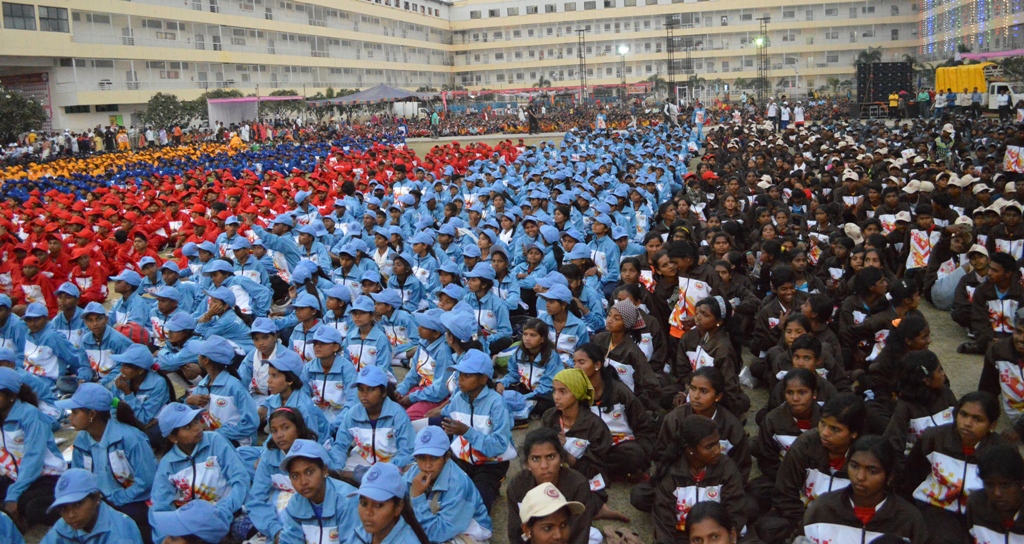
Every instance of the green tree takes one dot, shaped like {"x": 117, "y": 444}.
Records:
{"x": 869, "y": 56}
{"x": 426, "y": 89}
{"x": 658, "y": 84}
{"x": 18, "y": 114}
{"x": 833, "y": 84}
{"x": 740, "y": 83}
{"x": 282, "y": 108}
{"x": 165, "y": 110}
{"x": 329, "y": 94}
{"x": 542, "y": 83}
{"x": 1014, "y": 66}
{"x": 453, "y": 87}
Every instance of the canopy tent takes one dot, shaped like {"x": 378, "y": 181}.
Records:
{"x": 374, "y": 95}
{"x": 238, "y": 110}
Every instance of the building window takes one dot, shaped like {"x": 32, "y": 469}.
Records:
{"x": 831, "y": 12}
{"x": 53, "y": 19}
{"x": 512, "y": 12}
{"x": 747, "y": 17}
{"x": 832, "y": 35}
{"x": 529, "y": 32}
{"x": 810, "y": 14}
{"x": 867, "y": 9}
{"x": 19, "y": 17}
{"x": 609, "y": 3}
{"x": 474, "y": 15}
{"x": 629, "y": 3}
{"x": 531, "y": 10}
{"x": 832, "y": 58}
{"x": 74, "y": 109}
{"x": 517, "y": 33}
{"x": 789, "y": 14}
{"x": 106, "y": 108}
{"x": 550, "y": 8}
{"x": 152, "y": 23}
{"x": 590, "y": 5}
{"x": 895, "y": 34}
{"x": 494, "y": 13}
{"x": 895, "y": 11}
{"x": 570, "y": 6}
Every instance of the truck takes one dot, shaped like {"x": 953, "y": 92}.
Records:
{"x": 409, "y": 110}
{"x": 985, "y": 76}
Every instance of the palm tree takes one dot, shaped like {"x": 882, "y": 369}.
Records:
{"x": 833, "y": 84}
{"x": 542, "y": 83}
{"x": 740, "y": 83}
{"x": 868, "y": 56}
{"x": 1014, "y": 66}
{"x": 658, "y": 83}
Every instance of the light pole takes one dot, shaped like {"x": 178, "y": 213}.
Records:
{"x": 762, "y": 43}
{"x": 623, "y": 49}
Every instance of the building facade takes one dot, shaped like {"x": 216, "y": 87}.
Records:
{"x": 96, "y": 61}
{"x": 981, "y": 27}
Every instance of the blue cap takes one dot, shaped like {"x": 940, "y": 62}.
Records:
{"x": 89, "y": 396}
{"x": 223, "y": 294}
{"x": 431, "y": 319}
{"x": 300, "y": 275}
{"x": 553, "y": 278}
{"x": 327, "y": 335}
{"x": 483, "y": 271}
{"x": 340, "y": 292}
{"x": 287, "y": 360}
{"x": 190, "y": 249}
{"x": 454, "y": 291}
{"x": 574, "y": 234}
{"x": 347, "y": 249}
{"x": 604, "y": 220}
{"x": 240, "y": 242}
{"x": 301, "y": 196}
{"x": 216, "y": 349}
{"x": 472, "y": 252}
{"x": 579, "y": 251}
{"x": 306, "y": 300}
{"x": 172, "y": 266}
{"x": 263, "y": 325}
{"x": 9, "y": 380}
{"x": 447, "y": 228}
{"x": 475, "y": 362}
{"x": 283, "y": 219}
{"x": 74, "y": 485}
{"x": 217, "y": 265}
{"x": 68, "y": 289}
{"x": 136, "y": 355}
{"x": 208, "y": 247}
{"x": 7, "y": 354}
{"x": 462, "y": 325}
{"x": 422, "y": 238}
{"x": 196, "y": 518}
{"x": 130, "y": 276}
{"x": 450, "y": 267}
{"x": 94, "y": 308}
{"x": 381, "y": 483}
{"x": 371, "y": 276}
{"x": 363, "y": 304}
{"x": 5, "y": 301}
{"x": 233, "y": 220}
{"x": 372, "y": 376}
{"x": 306, "y": 229}
{"x": 431, "y": 440}
{"x": 146, "y": 261}
{"x": 306, "y": 449}
{"x": 168, "y": 292}
{"x": 174, "y": 416}
{"x": 618, "y": 233}
{"x": 389, "y": 297}
{"x": 557, "y": 292}
{"x": 36, "y": 309}
{"x": 180, "y": 321}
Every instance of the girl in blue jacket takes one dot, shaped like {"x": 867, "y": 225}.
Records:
{"x": 384, "y": 510}
{"x": 322, "y": 508}
{"x": 332, "y": 380}
{"x": 287, "y": 389}
{"x": 336, "y": 317}
{"x": 200, "y": 466}
{"x": 230, "y": 410}
{"x": 254, "y": 368}
{"x": 377, "y": 429}
{"x": 495, "y": 329}
{"x": 30, "y": 462}
{"x": 409, "y": 287}
{"x": 533, "y": 366}
{"x": 397, "y": 324}
{"x": 143, "y": 388}
{"x": 101, "y": 343}
{"x": 481, "y": 425}
{"x": 115, "y": 449}
{"x": 565, "y": 329}
{"x": 431, "y": 362}
{"x": 506, "y": 286}
{"x": 527, "y": 272}
{"x": 366, "y": 344}
{"x": 271, "y": 487}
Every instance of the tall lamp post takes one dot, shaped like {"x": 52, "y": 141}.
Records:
{"x": 762, "y": 43}
{"x": 623, "y": 49}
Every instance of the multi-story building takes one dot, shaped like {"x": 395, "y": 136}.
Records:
{"x": 981, "y": 27}
{"x": 93, "y": 61}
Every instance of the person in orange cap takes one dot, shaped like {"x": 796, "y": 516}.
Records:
{"x": 90, "y": 278}
{"x": 34, "y": 286}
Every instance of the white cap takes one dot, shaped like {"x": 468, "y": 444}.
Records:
{"x": 964, "y": 220}
{"x": 903, "y": 216}
{"x": 544, "y": 500}
{"x": 850, "y": 174}
{"x": 912, "y": 187}
{"x": 978, "y": 248}
{"x": 853, "y": 231}
{"x": 979, "y": 188}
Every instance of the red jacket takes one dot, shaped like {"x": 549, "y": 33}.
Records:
{"x": 37, "y": 289}
{"x": 91, "y": 282}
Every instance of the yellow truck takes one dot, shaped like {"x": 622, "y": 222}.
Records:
{"x": 987, "y": 77}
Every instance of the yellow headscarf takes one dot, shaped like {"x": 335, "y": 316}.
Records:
{"x": 578, "y": 383}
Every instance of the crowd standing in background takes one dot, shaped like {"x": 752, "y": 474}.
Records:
{"x": 298, "y": 334}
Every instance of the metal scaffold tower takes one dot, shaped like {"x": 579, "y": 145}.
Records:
{"x": 582, "y": 43}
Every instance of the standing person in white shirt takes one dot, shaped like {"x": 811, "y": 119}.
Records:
{"x": 940, "y": 104}
{"x": 1003, "y": 101}
{"x": 773, "y": 113}
{"x": 784, "y": 116}
{"x": 798, "y": 115}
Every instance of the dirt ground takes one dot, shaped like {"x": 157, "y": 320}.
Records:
{"x": 963, "y": 372}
